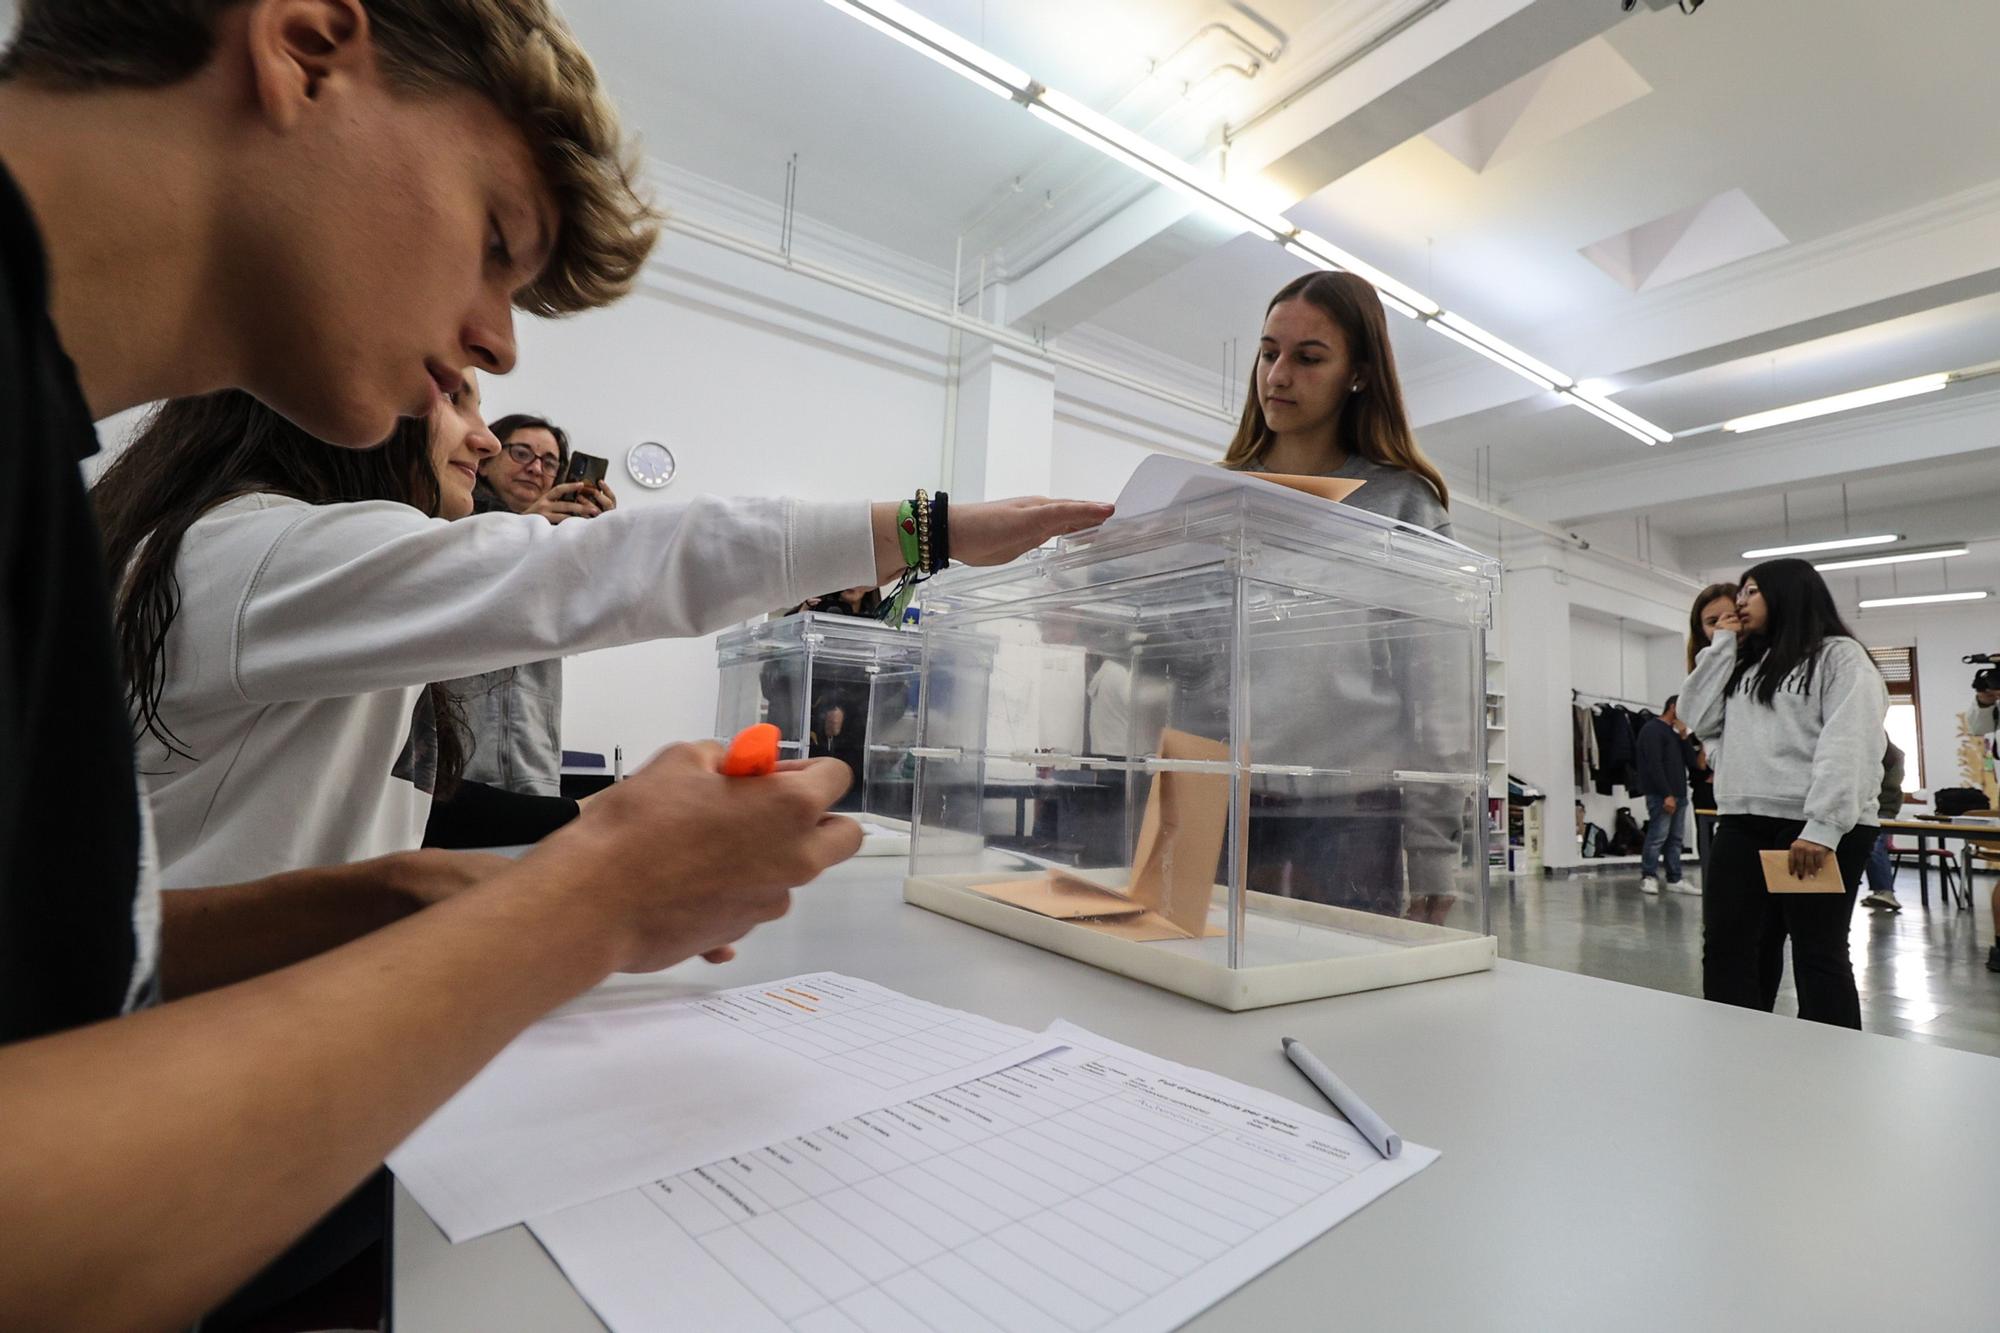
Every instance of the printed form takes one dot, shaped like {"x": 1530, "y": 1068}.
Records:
{"x": 1095, "y": 1187}
{"x": 608, "y": 1094}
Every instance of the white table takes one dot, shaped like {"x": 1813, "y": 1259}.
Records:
{"x": 1613, "y": 1156}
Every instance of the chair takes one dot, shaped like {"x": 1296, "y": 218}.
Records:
{"x": 1947, "y": 867}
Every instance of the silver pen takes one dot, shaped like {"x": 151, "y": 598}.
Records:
{"x": 1373, "y": 1128}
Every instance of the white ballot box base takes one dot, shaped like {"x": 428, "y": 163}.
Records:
{"x": 1294, "y": 949}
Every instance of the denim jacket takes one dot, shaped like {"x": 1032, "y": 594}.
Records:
{"x": 514, "y": 716}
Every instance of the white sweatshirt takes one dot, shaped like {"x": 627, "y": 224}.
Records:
{"x": 307, "y": 633}
{"x": 1813, "y": 757}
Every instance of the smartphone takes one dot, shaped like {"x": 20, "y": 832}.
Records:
{"x": 587, "y": 468}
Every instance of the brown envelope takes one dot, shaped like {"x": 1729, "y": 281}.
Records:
{"x": 1335, "y": 489}
{"x": 1145, "y": 928}
{"x": 1061, "y": 896}
{"x": 1181, "y": 836}
{"x": 1173, "y": 875}
{"x": 1778, "y": 877}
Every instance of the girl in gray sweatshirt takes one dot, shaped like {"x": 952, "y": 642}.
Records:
{"x": 1792, "y": 706}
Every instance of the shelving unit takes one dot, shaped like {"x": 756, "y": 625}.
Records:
{"x": 1501, "y": 850}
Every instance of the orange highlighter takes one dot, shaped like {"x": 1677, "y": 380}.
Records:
{"x": 754, "y": 752}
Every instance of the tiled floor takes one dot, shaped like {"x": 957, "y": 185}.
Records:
{"x": 1922, "y": 974}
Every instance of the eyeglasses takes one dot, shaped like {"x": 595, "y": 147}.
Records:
{"x": 527, "y": 458}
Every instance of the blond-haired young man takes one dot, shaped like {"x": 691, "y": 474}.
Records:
{"x": 334, "y": 204}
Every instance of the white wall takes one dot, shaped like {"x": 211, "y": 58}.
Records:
{"x": 1634, "y": 662}
{"x": 1561, "y": 632}
{"x": 762, "y": 383}
{"x": 1941, "y": 635}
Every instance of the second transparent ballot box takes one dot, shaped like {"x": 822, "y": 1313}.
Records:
{"x": 1235, "y": 747}
{"x": 844, "y": 686}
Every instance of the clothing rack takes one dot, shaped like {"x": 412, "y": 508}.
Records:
{"x": 1583, "y": 695}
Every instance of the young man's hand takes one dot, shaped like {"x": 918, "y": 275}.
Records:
{"x": 1671, "y": 805}
{"x": 991, "y": 532}
{"x": 679, "y": 860}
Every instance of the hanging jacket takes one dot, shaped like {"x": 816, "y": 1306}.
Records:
{"x": 1615, "y": 752}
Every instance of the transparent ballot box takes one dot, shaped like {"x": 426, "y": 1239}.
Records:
{"x": 833, "y": 685}
{"x": 1234, "y": 747}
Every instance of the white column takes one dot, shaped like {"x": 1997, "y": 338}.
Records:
{"x": 1005, "y": 429}
{"x": 1536, "y": 639}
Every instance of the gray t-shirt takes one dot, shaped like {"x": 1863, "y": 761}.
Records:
{"x": 1391, "y": 491}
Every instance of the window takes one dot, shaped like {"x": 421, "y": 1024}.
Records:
{"x": 1906, "y": 718}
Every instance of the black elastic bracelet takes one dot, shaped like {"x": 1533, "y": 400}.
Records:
{"x": 940, "y": 532}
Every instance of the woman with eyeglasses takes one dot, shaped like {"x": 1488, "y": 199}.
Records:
{"x": 1797, "y": 706}
{"x": 522, "y": 476}
{"x": 513, "y": 716}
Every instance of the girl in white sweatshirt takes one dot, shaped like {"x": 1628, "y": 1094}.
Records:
{"x": 284, "y": 606}
{"x": 1794, "y": 707}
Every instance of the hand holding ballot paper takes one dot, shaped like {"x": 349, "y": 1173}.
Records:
{"x": 1782, "y": 876}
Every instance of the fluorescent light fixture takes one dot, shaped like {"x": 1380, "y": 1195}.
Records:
{"x": 1576, "y": 400}
{"x": 1109, "y": 137}
{"x": 1318, "y": 250}
{"x": 1506, "y": 349}
{"x": 1322, "y": 262}
{"x": 1840, "y": 402}
{"x": 1629, "y": 420}
{"x": 1901, "y": 557}
{"x": 1491, "y": 354}
{"x": 1833, "y": 544}
{"x": 1926, "y": 599}
{"x": 939, "y": 43}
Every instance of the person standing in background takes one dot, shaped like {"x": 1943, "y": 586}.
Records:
{"x": 1324, "y": 400}
{"x": 1983, "y": 719}
{"x": 1663, "y": 773}
{"x": 1798, "y": 707}
{"x": 1712, "y": 605}
{"x": 513, "y": 716}
{"x": 1881, "y": 867}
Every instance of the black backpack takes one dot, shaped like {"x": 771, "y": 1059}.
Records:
{"x": 1627, "y": 838}
{"x": 1593, "y": 842}
{"x": 1958, "y": 800}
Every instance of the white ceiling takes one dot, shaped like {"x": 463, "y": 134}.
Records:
{"x": 1863, "y": 131}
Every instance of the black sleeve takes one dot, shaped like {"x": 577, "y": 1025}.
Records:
{"x": 481, "y": 816}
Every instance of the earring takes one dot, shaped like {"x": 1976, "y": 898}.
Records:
{"x": 1354, "y": 387}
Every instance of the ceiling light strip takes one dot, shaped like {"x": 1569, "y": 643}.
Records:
{"x": 940, "y": 44}
{"x": 1107, "y": 136}
{"x": 1576, "y": 400}
{"x": 1653, "y": 434}
{"x": 1492, "y": 354}
{"x": 1091, "y": 129}
{"x": 1840, "y": 402}
{"x": 1316, "y": 249}
{"x": 1900, "y": 558}
{"x": 1833, "y": 544}
{"x": 1927, "y": 599}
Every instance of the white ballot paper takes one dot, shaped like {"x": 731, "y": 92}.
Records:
{"x": 603, "y": 1096}
{"x": 1092, "y": 1188}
